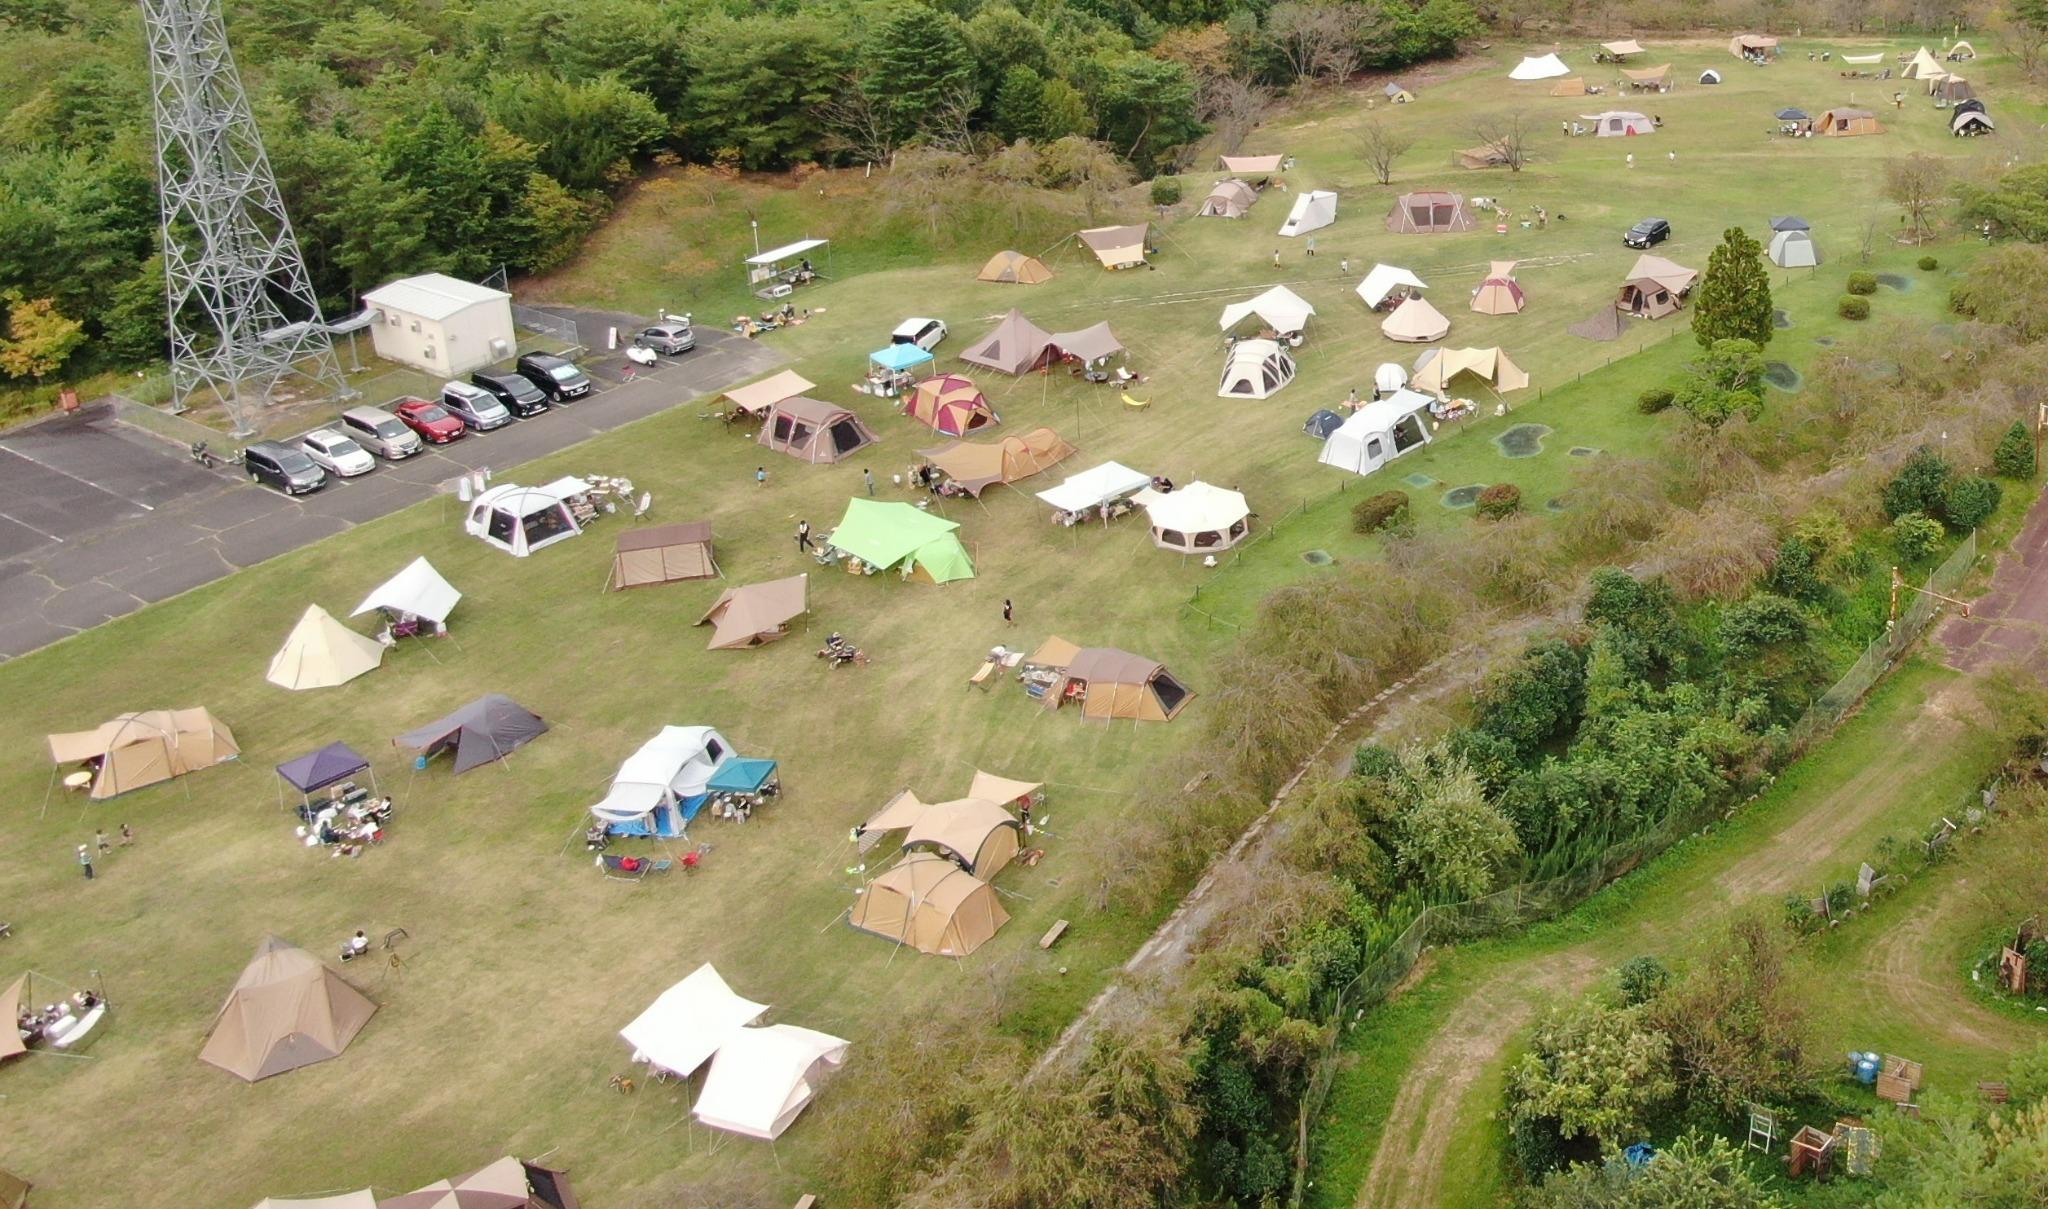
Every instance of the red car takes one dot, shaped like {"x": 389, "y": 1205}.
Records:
{"x": 429, "y": 419}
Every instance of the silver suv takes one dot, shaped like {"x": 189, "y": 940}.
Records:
{"x": 671, "y": 338}
{"x": 474, "y": 406}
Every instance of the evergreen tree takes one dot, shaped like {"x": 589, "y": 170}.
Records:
{"x": 1020, "y": 105}
{"x": 915, "y": 57}
{"x": 1734, "y": 297}
{"x": 2014, "y": 457}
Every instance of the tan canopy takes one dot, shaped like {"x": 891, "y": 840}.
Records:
{"x": 1252, "y": 165}
{"x": 663, "y": 554}
{"x": 1090, "y": 344}
{"x": 1441, "y": 365}
{"x": 320, "y": 652}
{"x": 932, "y": 905}
{"x": 1672, "y": 276}
{"x": 756, "y": 614}
{"x": 1117, "y": 247}
{"x": 1622, "y": 49}
{"x": 1117, "y": 684}
{"x": 758, "y": 397}
{"x": 1415, "y": 322}
{"x": 1014, "y": 268}
{"x": 897, "y": 813}
{"x": 1054, "y": 652}
{"x": 1573, "y": 86}
{"x": 137, "y": 750}
{"x": 1743, "y": 44}
{"x": 1016, "y": 345}
{"x": 1648, "y": 75}
{"x": 287, "y": 1011}
{"x": 978, "y": 467}
{"x": 1490, "y": 155}
{"x": 992, "y": 788}
{"x": 982, "y": 836}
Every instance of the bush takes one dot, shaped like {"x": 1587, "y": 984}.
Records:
{"x": 1915, "y": 536}
{"x": 1970, "y": 502}
{"x": 1642, "y": 979}
{"x": 2014, "y": 457}
{"x": 1928, "y": 264}
{"x": 1863, "y": 283}
{"x": 1654, "y": 400}
{"x": 1376, "y": 512}
{"x": 1852, "y": 307}
{"x": 1500, "y": 501}
{"x": 1920, "y": 486}
{"x": 1165, "y": 191}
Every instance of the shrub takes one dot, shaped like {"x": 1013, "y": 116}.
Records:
{"x": 1500, "y": 501}
{"x": 1642, "y": 979}
{"x": 1915, "y": 536}
{"x": 1654, "y": 400}
{"x": 1928, "y": 264}
{"x": 1970, "y": 502}
{"x": 1165, "y": 191}
{"x": 1376, "y": 512}
{"x": 1852, "y": 307}
{"x": 1920, "y": 486}
{"x": 1797, "y": 571}
{"x": 1863, "y": 283}
{"x": 2014, "y": 457}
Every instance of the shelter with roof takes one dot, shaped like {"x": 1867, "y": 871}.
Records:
{"x": 1379, "y": 432}
{"x": 1090, "y": 345}
{"x": 1794, "y": 250}
{"x": 1951, "y": 88}
{"x": 1619, "y": 123}
{"x": 930, "y": 904}
{"x": 1622, "y": 49}
{"x": 1539, "y": 67}
{"x": 1500, "y": 293}
{"x": 895, "y": 535}
{"x": 320, "y": 652}
{"x": 1199, "y": 518}
{"x": 896, "y": 364}
{"x": 524, "y": 520}
{"x": 1279, "y": 308}
{"x": 1312, "y": 211}
{"x": 660, "y": 554}
{"x": 1711, "y": 75}
{"x": 756, "y": 614}
{"x": 508, "y": 1183}
{"x": 1847, "y": 123}
{"x": 1117, "y": 247}
{"x": 418, "y": 593}
{"x": 762, "y": 1078}
{"x": 1435, "y": 369}
{"x": 1960, "y": 51}
{"x": 1415, "y": 321}
{"x": 1648, "y": 79}
{"x": 67, "y": 1031}
{"x": 287, "y": 1010}
{"x": 1251, "y": 165}
{"x": 689, "y": 1022}
{"x": 316, "y": 770}
{"x": 660, "y": 788}
{"x": 489, "y": 728}
{"x": 1255, "y": 369}
{"x": 1388, "y": 283}
{"x": 1428, "y": 212}
{"x": 978, "y": 835}
{"x": 816, "y": 432}
{"x": 950, "y": 404}
{"x": 441, "y": 324}
{"x": 1016, "y": 346}
{"x": 1014, "y": 268}
{"x": 1095, "y": 487}
{"x": 1756, "y": 47}
{"x": 1570, "y": 86}
{"x": 756, "y": 398}
{"x": 135, "y": 751}
{"x": 1229, "y": 199}
{"x": 1486, "y": 155}
{"x": 1656, "y": 287}
{"x": 1109, "y": 684}
{"x": 790, "y": 263}
{"x": 977, "y": 467}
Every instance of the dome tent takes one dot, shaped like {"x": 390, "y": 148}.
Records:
{"x": 1014, "y": 268}
{"x": 1255, "y": 369}
{"x": 930, "y": 904}
{"x": 950, "y": 404}
{"x": 1794, "y": 250}
{"x": 1199, "y": 518}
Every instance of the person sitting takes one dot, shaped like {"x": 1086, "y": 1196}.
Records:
{"x": 355, "y": 946}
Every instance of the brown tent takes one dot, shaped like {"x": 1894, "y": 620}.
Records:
{"x": 1744, "y": 45}
{"x": 506, "y": 1184}
{"x": 13, "y": 1191}
{"x": 982, "y": 836}
{"x": 758, "y": 397}
{"x": 1648, "y": 77}
{"x": 1252, "y": 165}
{"x": 1571, "y": 86}
{"x": 1490, "y": 155}
{"x": 1017, "y": 345}
{"x": 1428, "y": 212}
{"x": 1229, "y": 199}
{"x": 1117, "y": 684}
{"x": 756, "y": 614}
{"x": 1603, "y": 325}
{"x": 932, "y": 905}
{"x": 287, "y": 1011}
{"x": 1655, "y": 287}
{"x": 1014, "y": 268}
{"x": 810, "y": 431}
{"x": 1840, "y": 123}
{"x": 136, "y": 750}
{"x": 978, "y": 467}
{"x": 663, "y": 554}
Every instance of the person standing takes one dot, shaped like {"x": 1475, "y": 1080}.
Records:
{"x": 127, "y": 836}
{"x": 869, "y": 476}
{"x": 1311, "y": 245}
{"x": 99, "y": 837}
{"x": 1276, "y": 258}
{"x": 1009, "y": 614}
{"x": 85, "y": 861}
{"x": 761, "y": 476}
{"x": 1344, "y": 266}
{"x": 803, "y": 536}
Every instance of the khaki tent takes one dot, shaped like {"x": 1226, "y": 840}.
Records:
{"x": 1491, "y": 155}
{"x": 810, "y": 431}
{"x": 758, "y": 397}
{"x": 1014, "y": 268}
{"x": 1647, "y": 78}
{"x": 663, "y": 554}
{"x": 1439, "y": 365}
{"x": 1841, "y": 123}
{"x": 1002, "y": 790}
{"x": 1655, "y": 287}
{"x": 950, "y": 404}
{"x": 1742, "y": 46}
{"x": 1252, "y": 165}
{"x": 1016, "y": 346}
{"x": 1923, "y": 66}
{"x": 1117, "y": 247}
{"x": 757, "y": 614}
{"x": 1110, "y": 683}
{"x": 1427, "y": 213}
{"x": 287, "y": 1011}
{"x": 1229, "y": 199}
{"x": 321, "y": 652}
{"x": 137, "y": 750}
{"x": 932, "y": 905}
{"x": 1622, "y": 50}
{"x": 978, "y": 467}
{"x": 505, "y": 1184}
{"x": 1415, "y": 322}
{"x": 1572, "y": 87}
{"x": 1954, "y": 88}
{"x": 980, "y": 836}
{"x": 1499, "y": 294}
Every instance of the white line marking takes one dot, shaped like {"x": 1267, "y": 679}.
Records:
{"x": 74, "y": 478}
{"x": 31, "y": 528}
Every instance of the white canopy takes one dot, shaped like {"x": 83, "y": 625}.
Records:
{"x": 690, "y": 1021}
{"x": 1539, "y": 67}
{"x": 1095, "y": 487}
{"x": 1366, "y": 440}
{"x": 786, "y": 251}
{"x": 1862, "y": 60}
{"x": 762, "y": 1078}
{"x": 1390, "y": 376}
{"x": 673, "y": 765}
{"x": 1196, "y": 508}
{"x": 1281, "y": 308}
{"x": 418, "y": 590}
{"x": 1312, "y": 211}
{"x": 1383, "y": 280}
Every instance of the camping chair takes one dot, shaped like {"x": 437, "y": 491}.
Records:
{"x": 642, "y": 506}
{"x": 1131, "y": 404}
{"x": 623, "y": 868}
{"x": 985, "y": 676}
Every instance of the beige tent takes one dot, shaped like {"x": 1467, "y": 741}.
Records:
{"x": 11, "y": 1043}
{"x": 1574, "y": 86}
{"x": 663, "y": 554}
{"x": 1655, "y": 287}
{"x": 1054, "y": 653}
{"x": 1252, "y": 165}
{"x": 320, "y": 652}
{"x": 758, "y": 397}
{"x": 287, "y": 1011}
{"x": 1744, "y": 45}
{"x": 1229, "y": 199}
{"x": 137, "y": 750}
{"x": 1014, "y": 347}
{"x": 1839, "y": 123}
{"x": 1648, "y": 77}
{"x": 1110, "y": 683}
{"x": 1499, "y": 294}
{"x": 502, "y": 1185}
{"x": 932, "y": 905}
{"x": 1490, "y": 155}
{"x": 1117, "y": 247}
{"x": 1961, "y": 51}
{"x": 1415, "y": 322}
{"x": 811, "y": 431}
{"x": 1014, "y": 268}
{"x": 1427, "y": 213}
{"x": 1622, "y": 50}
{"x": 1002, "y": 790}
{"x": 1923, "y": 66}
{"x": 978, "y": 467}
{"x": 14, "y": 1191}
{"x": 982, "y": 836}
{"x": 360, "y": 1199}
{"x": 756, "y": 614}
{"x": 1438, "y": 366}
{"x": 1954, "y": 88}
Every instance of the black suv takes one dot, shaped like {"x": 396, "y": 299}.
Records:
{"x": 559, "y": 378}
{"x": 520, "y": 397}
{"x": 1647, "y": 232}
{"x": 287, "y": 469}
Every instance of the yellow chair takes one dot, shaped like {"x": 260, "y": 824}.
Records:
{"x": 1136, "y": 404}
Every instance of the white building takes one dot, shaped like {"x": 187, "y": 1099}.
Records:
{"x": 441, "y": 324}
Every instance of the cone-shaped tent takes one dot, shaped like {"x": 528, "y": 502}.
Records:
{"x": 287, "y": 1010}
{"x": 1415, "y": 322}
{"x": 1255, "y": 369}
{"x": 488, "y": 728}
{"x": 977, "y": 467}
{"x": 1014, "y": 347}
{"x": 662, "y": 554}
{"x": 756, "y": 614}
{"x": 1438, "y": 366}
{"x": 321, "y": 652}
{"x": 1923, "y": 66}
{"x": 1014, "y": 268}
{"x": 932, "y": 905}
{"x": 1499, "y": 294}
{"x": 981, "y": 836}
{"x": 950, "y": 404}
{"x": 138, "y": 750}
{"x": 885, "y": 535}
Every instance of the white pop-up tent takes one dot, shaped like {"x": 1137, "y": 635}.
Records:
{"x": 321, "y": 652}
{"x": 1539, "y": 67}
{"x": 1381, "y": 284}
{"x": 1255, "y": 369}
{"x": 1280, "y": 308}
{"x": 1095, "y": 487}
{"x": 1378, "y": 433}
{"x": 1198, "y": 518}
{"x": 520, "y": 520}
{"x": 1312, "y": 211}
{"x": 763, "y": 1077}
{"x": 419, "y": 591}
{"x": 658, "y": 789}
{"x": 689, "y": 1022}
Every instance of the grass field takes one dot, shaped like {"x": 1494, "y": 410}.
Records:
{"x": 499, "y": 1033}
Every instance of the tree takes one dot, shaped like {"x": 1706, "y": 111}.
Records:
{"x": 1379, "y": 145}
{"x": 582, "y": 133}
{"x": 1232, "y": 108}
{"x": 1951, "y": 1155}
{"x": 1449, "y": 837}
{"x": 2010, "y": 286}
{"x": 1506, "y": 135}
{"x": 2014, "y": 457}
{"x": 1598, "y": 1071}
{"x": 1086, "y": 168}
{"x": 1734, "y": 295}
{"x": 2025, "y": 26}
{"x": 1970, "y": 502}
{"x": 1318, "y": 42}
{"x": 1917, "y": 184}
{"x": 1019, "y": 110}
{"x": 929, "y": 182}
{"x": 369, "y": 43}
{"x": 1146, "y": 107}
{"x": 1697, "y": 1171}
{"x": 1727, "y": 380}
{"x": 1737, "y": 1025}
{"x": 1921, "y": 485}
{"x": 915, "y": 56}
{"x": 1755, "y": 624}
{"x": 39, "y": 339}
{"x": 765, "y": 86}
{"x": 1067, "y": 111}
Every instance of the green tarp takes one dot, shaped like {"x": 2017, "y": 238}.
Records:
{"x": 899, "y": 535}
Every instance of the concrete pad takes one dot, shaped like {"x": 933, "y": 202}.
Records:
{"x": 270, "y": 536}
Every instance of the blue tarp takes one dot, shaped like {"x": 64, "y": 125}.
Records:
{"x": 742, "y": 774}
{"x": 900, "y": 357}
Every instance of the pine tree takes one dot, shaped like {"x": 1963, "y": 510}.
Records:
{"x": 2014, "y": 457}
{"x": 1020, "y": 105}
{"x": 1734, "y": 297}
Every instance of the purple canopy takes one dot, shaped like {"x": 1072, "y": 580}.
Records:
{"x": 334, "y": 762}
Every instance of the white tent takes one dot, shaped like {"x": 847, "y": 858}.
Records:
{"x": 690, "y": 1021}
{"x": 1312, "y": 211}
{"x": 1384, "y": 279}
{"x": 1255, "y": 370}
{"x": 668, "y": 770}
{"x": 1616, "y": 123}
{"x": 1539, "y": 67}
{"x": 1794, "y": 250}
{"x": 1389, "y": 377}
{"x": 1415, "y": 322}
{"x": 520, "y": 520}
{"x": 321, "y": 653}
{"x": 1378, "y": 433}
{"x": 763, "y": 1077}
{"x": 1195, "y": 518}
{"x": 418, "y": 591}
{"x": 1095, "y": 487}
{"x": 1282, "y": 309}
{"x": 1923, "y": 66}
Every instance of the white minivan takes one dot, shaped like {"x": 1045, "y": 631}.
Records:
{"x": 380, "y": 432}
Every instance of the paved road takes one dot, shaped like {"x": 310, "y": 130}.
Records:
{"x": 2010, "y": 620}
{"x": 98, "y": 518}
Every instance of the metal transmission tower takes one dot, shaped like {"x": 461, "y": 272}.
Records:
{"x": 243, "y": 315}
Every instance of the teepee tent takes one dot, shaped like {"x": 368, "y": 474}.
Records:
{"x": 950, "y": 404}
{"x": 1794, "y": 250}
{"x": 761, "y": 1078}
{"x": 1539, "y": 67}
{"x": 1923, "y": 66}
{"x": 287, "y": 1010}
{"x": 321, "y": 652}
{"x": 978, "y": 467}
{"x": 138, "y": 750}
{"x": 1415, "y": 322}
{"x": 1014, "y": 347}
{"x": 1312, "y": 211}
{"x": 1435, "y": 368}
{"x": 1388, "y": 282}
{"x": 885, "y": 535}
{"x": 756, "y": 614}
{"x": 930, "y": 904}
{"x": 1014, "y": 268}
{"x": 1378, "y": 433}
{"x": 1499, "y": 294}
{"x": 1279, "y": 308}
{"x": 689, "y": 1022}
{"x": 1255, "y": 369}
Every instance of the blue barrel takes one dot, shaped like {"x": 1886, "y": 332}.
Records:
{"x": 1867, "y": 1066}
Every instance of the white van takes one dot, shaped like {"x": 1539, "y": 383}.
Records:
{"x": 380, "y": 432}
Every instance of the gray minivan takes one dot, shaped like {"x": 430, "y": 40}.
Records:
{"x": 380, "y": 432}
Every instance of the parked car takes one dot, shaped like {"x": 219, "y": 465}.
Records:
{"x": 474, "y": 406}
{"x": 559, "y": 378}
{"x": 279, "y": 465}
{"x": 430, "y": 420}
{"x": 924, "y": 333}
{"x": 520, "y": 397}
{"x": 336, "y": 454}
{"x": 1647, "y": 232}
{"x": 672, "y": 337}
{"x": 380, "y": 432}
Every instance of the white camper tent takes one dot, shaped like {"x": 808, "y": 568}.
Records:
{"x": 1095, "y": 487}
{"x": 1378, "y": 433}
{"x": 520, "y": 520}
{"x": 1618, "y": 123}
{"x": 762, "y": 1078}
{"x": 659, "y": 788}
{"x": 1382, "y": 282}
{"x": 1200, "y": 518}
{"x": 689, "y": 1023}
{"x": 418, "y": 591}
{"x": 1255, "y": 369}
{"x": 1312, "y": 211}
{"x": 1794, "y": 250}
{"x": 321, "y": 652}
{"x": 1539, "y": 67}
{"x": 1279, "y": 308}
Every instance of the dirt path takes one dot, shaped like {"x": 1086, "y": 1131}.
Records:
{"x": 1916, "y": 984}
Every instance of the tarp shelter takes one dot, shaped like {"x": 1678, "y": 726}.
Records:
{"x": 815, "y": 432}
{"x": 1435, "y": 368}
{"x": 1312, "y": 211}
{"x": 362, "y": 1198}
{"x": 902, "y": 358}
{"x": 1539, "y": 67}
{"x": 1793, "y": 250}
{"x": 1389, "y": 377}
{"x": 506, "y": 1184}
{"x": 1255, "y": 369}
{"x": 662, "y": 554}
{"x": 1428, "y": 213}
{"x": 1648, "y": 77}
{"x": 978, "y": 467}
{"x": 1622, "y": 50}
{"x": 1199, "y": 518}
{"x": 1655, "y": 287}
{"x": 1321, "y": 424}
{"x": 1014, "y": 268}
{"x": 1004, "y": 791}
{"x": 1489, "y": 155}
{"x": 521, "y": 520}
{"x": 287, "y": 1010}
{"x": 331, "y": 765}
{"x": 138, "y": 750}
{"x": 660, "y": 788}
{"x": 1016, "y": 346}
{"x": 885, "y": 535}
{"x": 1603, "y": 325}
{"x": 1089, "y": 345}
{"x": 1742, "y": 46}
{"x": 761, "y": 1078}
{"x": 320, "y": 652}
{"x": 418, "y": 591}
{"x": 1378, "y": 433}
{"x": 950, "y": 404}
{"x": 1387, "y": 281}
{"x": 489, "y": 728}
{"x": 757, "y": 397}
{"x": 1110, "y": 683}
{"x": 1863, "y": 60}
{"x": 1617, "y": 123}
{"x": 1117, "y": 247}
{"x": 1229, "y": 199}
{"x": 1791, "y": 115}
{"x": 1970, "y": 121}
{"x": 980, "y": 836}
{"x": 1789, "y": 222}
{"x": 1251, "y": 165}
{"x": 1415, "y": 322}
{"x": 763, "y": 265}
{"x": 1710, "y": 76}
{"x": 1571, "y": 86}
{"x": 756, "y": 614}
{"x": 1096, "y": 486}
{"x": 1923, "y": 66}
{"x": 1500, "y": 293}
{"x": 1397, "y": 95}
{"x": 689, "y": 1022}
{"x": 1279, "y": 308}
{"x": 1842, "y": 123}
{"x": 930, "y": 904}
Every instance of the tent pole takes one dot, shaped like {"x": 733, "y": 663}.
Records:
{"x": 51, "y": 788}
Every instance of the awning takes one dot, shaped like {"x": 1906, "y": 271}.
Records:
{"x": 741, "y": 774}
{"x": 1095, "y": 487}
{"x": 331, "y": 765}
{"x": 758, "y": 397}
{"x": 787, "y": 251}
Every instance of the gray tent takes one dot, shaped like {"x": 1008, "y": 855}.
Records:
{"x": 1015, "y": 346}
{"x": 1790, "y": 222}
{"x": 1793, "y": 250}
{"x": 486, "y": 729}
{"x": 1322, "y": 424}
